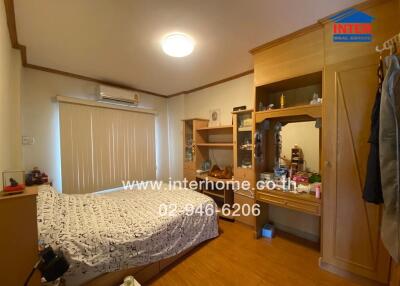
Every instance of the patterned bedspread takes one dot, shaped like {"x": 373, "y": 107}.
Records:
{"x": 123, "y": 229}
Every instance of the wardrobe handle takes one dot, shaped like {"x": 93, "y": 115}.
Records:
{"x": 327, "y": 164}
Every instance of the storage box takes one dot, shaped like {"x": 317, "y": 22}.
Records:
{"x": 268, "y": 231}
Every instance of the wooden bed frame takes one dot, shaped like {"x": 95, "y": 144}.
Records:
{"x": 142, "y": 274}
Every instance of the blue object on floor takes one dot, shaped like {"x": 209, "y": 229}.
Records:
{"x": 268, "y": 231}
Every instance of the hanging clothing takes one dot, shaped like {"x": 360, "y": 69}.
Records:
{"x": 389, "y": 155}
{"x": 373, "y": 187}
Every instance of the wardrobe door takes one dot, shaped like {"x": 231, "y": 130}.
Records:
{"x": 351, "y": 227}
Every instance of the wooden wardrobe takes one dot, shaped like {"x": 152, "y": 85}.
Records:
{"x": 350, "y": 230}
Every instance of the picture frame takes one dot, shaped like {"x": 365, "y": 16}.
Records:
{"x": 214, "y": 118}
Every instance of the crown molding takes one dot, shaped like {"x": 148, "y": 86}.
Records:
{"x": 213, "y": 83}
{"x": 12, "y": 28}
{"x": 313, "y": 27}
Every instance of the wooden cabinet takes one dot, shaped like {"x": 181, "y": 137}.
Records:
{"x": 299, "y": 54}
{"x": 351, "y": 227}
{"x": 189, "y": 149}
{"x": 243, "y": 163}
{"x": 245, "y": 203}
{"x": 351, "y": 242}
{"x": 19, "y": 238}
{"x": 303, "y": 203}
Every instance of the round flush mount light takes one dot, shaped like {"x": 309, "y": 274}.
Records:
{"x": 177, "y": 45}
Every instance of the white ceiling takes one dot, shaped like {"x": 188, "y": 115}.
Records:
{"x": 119, "y": 41}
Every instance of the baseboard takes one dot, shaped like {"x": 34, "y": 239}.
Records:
{"x": 348, "y": 275}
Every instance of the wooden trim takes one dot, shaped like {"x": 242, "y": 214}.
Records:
{"x": 12, "y": 28}
{"x": 361, "y": 6}
{"x": 287, "y": 38}
{"x": 143, "y": 274}
{"x": 10, "y": 13}
{"x": 348, "y": 275}
{"x": 222, "y": 145}
{"x": 82, "y": 77}
{"x": 208, "y": 128}
{"x": 242, "y": 111}
{"x": 66, "y": 99}
{"x": 313, "y": 111}
{"x": 190, "y": 119}
{"x": 213, "y": 83}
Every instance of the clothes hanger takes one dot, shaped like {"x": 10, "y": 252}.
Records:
{"x": 380, "y": 73}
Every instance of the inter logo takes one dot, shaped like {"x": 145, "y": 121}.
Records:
{"x": 352, "y": 26}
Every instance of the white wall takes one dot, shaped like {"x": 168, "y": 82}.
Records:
{"x": 10, "y": 88}
{"x": 225, "y": 96}
{"x": 41, "y": 120}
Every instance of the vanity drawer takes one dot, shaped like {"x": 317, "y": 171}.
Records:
{"x": 271, "y": 199}
{"x": 291, "y": 202}
{"x": 304, "y": 207}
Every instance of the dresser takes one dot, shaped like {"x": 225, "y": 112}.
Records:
{"x": 18, "y": 238}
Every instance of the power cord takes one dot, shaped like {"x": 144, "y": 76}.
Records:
{"x": 32, "y": 272}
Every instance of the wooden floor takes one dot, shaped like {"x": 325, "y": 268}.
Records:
{"x": 235, "y": 258}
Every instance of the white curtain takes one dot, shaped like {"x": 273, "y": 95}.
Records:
{"x": 101, "y": 147}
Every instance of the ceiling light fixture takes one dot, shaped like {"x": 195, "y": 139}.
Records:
{"x": 177, "y": 45}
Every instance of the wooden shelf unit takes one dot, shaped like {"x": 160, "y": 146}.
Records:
{"x": 306, "y": 111}
{"x": 243, "y": 134}
{"x": 189, "y": 142}
{"x": 214, "y": 145}
{"x": 225, "y": 196}
{"x": 215, "y": 128}
{"x": 298, "y": 93}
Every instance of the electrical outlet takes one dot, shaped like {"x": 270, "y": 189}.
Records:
{"x": 28, "y": 140}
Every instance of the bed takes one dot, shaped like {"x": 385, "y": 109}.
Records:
{"x": 109, "y": 232}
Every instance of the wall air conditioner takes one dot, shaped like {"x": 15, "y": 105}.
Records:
{"x": 118, "y": 95}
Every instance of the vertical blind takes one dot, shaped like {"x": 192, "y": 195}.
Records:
{"x": 101, "y": 147}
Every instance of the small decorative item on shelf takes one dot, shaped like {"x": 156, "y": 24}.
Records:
{"x": 239, "y": 108}
{"x": 246, "y": 122}
{"x": 215, "y": 118}
{"x": 297, "y": 160}
{"x": 261, "y": 106}
{"x": 315, "y": 178}
{"x": 267, "y": 177}
{"x": 206, "y": 165}
{"x": 189, "y": 154}
{"x": 13, "y": 182}
{"x": 246, "y": 164}
{"x": 270, "y": 106}
{"x": 301, "y": 177}
{"x": 283, "y": 101}
{"x": 221, "y": 174}
{"x": 246, "y": 144}
{"x": 316, "y": 99}
{"x": 36, "y": 177}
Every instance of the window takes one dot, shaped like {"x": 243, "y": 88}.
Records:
{"x": 101, "y": 147}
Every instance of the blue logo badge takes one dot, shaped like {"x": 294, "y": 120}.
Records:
{"x": 352, "y": 26}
